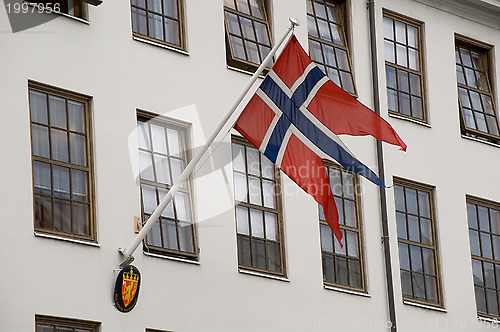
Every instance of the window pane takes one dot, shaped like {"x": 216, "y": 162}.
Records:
{"x": 139, "y": 22}
{"x": 61, "y": 181}
{"x": 76, "y": 116}
{"x": 255, "y": 190}
{"x": 271, "y": 220}
{"x": 259, "y": 254}
{"x": 486, "y": 246}
{"x": 401, "y": 56}
{"x": 155, "y": 24}
{"x": 257, "y": 223}
{"x": 170, "y": 8}
{"x": 412, "y": 36}
{"x": 268, "y": 193}
{"x": 40, "y": 141}
{"x": 59, "y": 145}
{"x": 238, "y": 49}
{"x": 273, "y": 256}
{"x": 233, "y": 24}
{"x": 42, "y": 178}
{"x": 416, "y": 259}
{"x": 78, "y": 149}
{"x": 62, "y": 216}
{"x": 240, "y": 187}
{"x": 403, "y": 82}
{"x": 57, "y": 108}
{"x": 159, "y": 140}
{"x": 326, "y": 238}
{"x": 389, "y": 51}
{"x": 355, "y": 274}
{"x": 81, "y": 221}
{"x": 401, "y": 225}
{"x": 38, "y": 105}
{"x": 247, "y": 27}
{"x": 244, "y": 251}
{"x": 79, "y": 185}
{"x": 390, "y": 76}
{"x": 146, "y": 166}
{"x": 162, "y": 169}
{"x": 388, "y": 28}
{"x": 242, "y": 226}
{"x": 404, "y": 257}
{"x": 186, "y": 240}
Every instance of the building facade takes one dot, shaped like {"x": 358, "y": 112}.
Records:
{"x": 107, "y": 104}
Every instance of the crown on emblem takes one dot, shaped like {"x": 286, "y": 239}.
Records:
{"x": 130, "y": 276}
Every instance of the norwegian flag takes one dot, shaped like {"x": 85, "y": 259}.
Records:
{"x": 295, "y": 117}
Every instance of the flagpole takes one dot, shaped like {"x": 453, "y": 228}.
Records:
{"x": 228, "y": 118}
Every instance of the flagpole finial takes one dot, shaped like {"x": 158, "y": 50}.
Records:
{"x": 294, "y": 21}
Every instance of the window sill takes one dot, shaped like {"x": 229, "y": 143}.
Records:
{"x": 170, "y": 48}
{"x": 392, "y": 115}
{"x": 263, "y": 275}
{"x": 480, "y": 141}
{"x": 243, "y": 71}
{"x": 347, "y": 291}
{"x": 423, "y": 306}
{"x": 171, "y": 258}
{"x": 67, "y": 239}
{"x": 81, "y": 20}
{"x": 488, "y": 319}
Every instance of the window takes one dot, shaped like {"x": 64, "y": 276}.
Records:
{"x": 55, "y": 324}
{"x": 162, "y": 158}
{"x": 343, "y": 266}
{"x": 258, "y": 210}
{"x": 403, "y": 66}
{"x": 484, "y": 235}
{"x": 62, "y": 162}
{"x": 159, "y": 20}
{"x": 417, "y": 242}
{"x": 248, "y": 40}
{"x": 328, "y": 42}
{"x": 477, "y": 107}
{"x": 76, "y": 8}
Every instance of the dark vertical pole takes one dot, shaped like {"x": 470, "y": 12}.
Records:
{"x": 381, "y": 170}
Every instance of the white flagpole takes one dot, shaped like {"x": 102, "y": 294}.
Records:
{"x": 129, "y": 251}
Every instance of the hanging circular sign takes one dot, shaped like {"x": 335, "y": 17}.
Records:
{"x": 127, "y": 286}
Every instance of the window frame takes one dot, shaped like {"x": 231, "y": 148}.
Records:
{"x": 481, "y": 202}
{"x": 182, "y": 28}
{"x": 343, "y": 10}
{"x": 405, "y": 183}
{"x": 278, "y": 210}
{"x": 486, "y": 53}
{"x": 66, "y": 322}
{"x": 419, "y": 25}
{"x": 231, "y": 59}
{"x": 86, "y": 100}
{"x": 183, "y": 127}
{"x": 359, "y": 230}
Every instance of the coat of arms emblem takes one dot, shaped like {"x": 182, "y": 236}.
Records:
{"x": 127, "y": 288}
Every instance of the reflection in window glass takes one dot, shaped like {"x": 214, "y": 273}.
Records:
{"x": 258, "y": 213}
{"x": 417, "y": 243}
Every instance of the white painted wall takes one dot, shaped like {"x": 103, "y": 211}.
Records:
{"x": 59, "y": 278}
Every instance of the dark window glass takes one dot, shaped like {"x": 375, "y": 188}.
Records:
{"x": 477, "y": 106}
{"x": 248, "y": 40}
{"x": 62, "y": 176}
{"x": 159, "y": 20}
{"x": 403, "y": 69}
{"x": 484, "y": 237}
{"x": 417, "y": 244}
{"x": 328, "y": 43}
